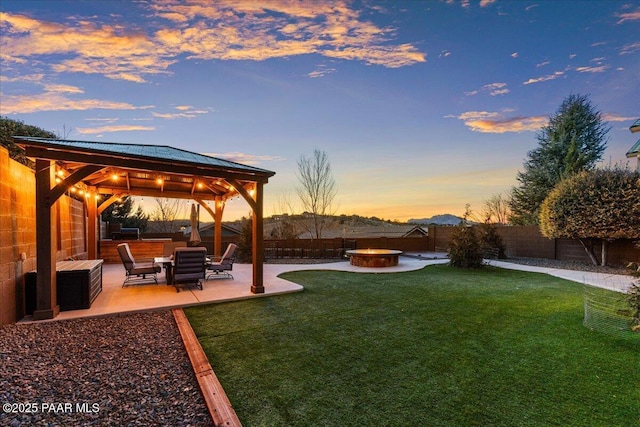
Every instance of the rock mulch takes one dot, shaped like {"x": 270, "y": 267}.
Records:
{"x": 568, "y": 265}
{"x": 110, "y": 371}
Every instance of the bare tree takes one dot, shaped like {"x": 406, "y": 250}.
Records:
{"x": 286, "y": 224}
{"x": 316, "y": 190}
{"x": 496, "y": 210}
{"x": 166, "y": 212}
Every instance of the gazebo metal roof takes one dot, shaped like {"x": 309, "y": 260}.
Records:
{"x": 635, "y": 150}
{"x": 140, "y": 169}
{"x": 635, "y": 127}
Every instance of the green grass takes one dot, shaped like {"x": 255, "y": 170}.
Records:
{"x": 436, "y": 347}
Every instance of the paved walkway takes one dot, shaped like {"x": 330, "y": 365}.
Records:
{"x": 115, "y": 299}
{"x": 614, "y": 282}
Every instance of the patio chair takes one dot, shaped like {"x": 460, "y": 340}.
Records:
{"x": 136, "y": 270}
{"x": 189, "y": 267}
{"x": 220, "y": 269}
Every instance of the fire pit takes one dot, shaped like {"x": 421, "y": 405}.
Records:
{"x": 373, "y": 257}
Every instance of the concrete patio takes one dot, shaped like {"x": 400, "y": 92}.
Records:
{"x": 116, "y": 299}
{"x": 148, "y": 296}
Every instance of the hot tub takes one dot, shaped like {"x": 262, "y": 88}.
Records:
{"x": 373, "y": 257}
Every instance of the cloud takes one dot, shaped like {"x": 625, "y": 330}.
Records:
{"x": 494, "y": 89}
{"x": 629, "y": 48}
{"x": 244, "y": 158}
{"x": 548, "y": 77}
{"x": 599, "y": 69}
{"x": 629, "y": 16}
{"x": 54, "y": 101}
{"x": 83, "y": 46}
{"x": 114, "y": 128}
{"x": 23, "y": 78}
{"x": 321, "y": 71}
{"x": 186, "y": 112}
{"x": 62, "y": 88}
{"x": 493, "y": 122}
{"x": 610, "y": 117}
{"x": 515, "y": 55}
{"x": 222, "y": 30}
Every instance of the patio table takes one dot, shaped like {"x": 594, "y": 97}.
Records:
{"x": 167, "y": 263}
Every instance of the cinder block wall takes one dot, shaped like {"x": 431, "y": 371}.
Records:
{"x": 18, "y": 233}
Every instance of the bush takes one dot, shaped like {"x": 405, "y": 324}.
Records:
{"x": 491, "y": 242}
{"x": 465, "y": 250}
{"x": 633, "y": 299}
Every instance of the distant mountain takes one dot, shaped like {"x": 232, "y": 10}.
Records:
{"x": 445, "y": 219}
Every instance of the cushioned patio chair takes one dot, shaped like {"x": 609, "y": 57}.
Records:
{"x": 189, "y": 266}
{"x": 136, "y": 272}
{"x": 220, "y": 269}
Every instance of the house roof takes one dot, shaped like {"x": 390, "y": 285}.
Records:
{"x": 142, "y": 169}
{"x": 211, "y": 226}
{"x": 635, "y": 127}
{"x": 635, "y": 150}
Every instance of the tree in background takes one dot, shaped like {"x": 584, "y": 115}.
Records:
{"x": 316, "y": 190}
{"x": 245, "y": 244}
{"x": 573, "y": 140}
{"x": 599, "y": 204}
{"x": 166, "y": 213}
{"x": 496, "y": 210}
{"x": 10, "y": 128}
{"x": 121, "y": 213}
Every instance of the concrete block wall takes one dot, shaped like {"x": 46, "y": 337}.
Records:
{"x": 18, "y": 233}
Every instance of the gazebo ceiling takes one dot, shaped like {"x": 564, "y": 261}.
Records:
{"x": 149, "y": 170}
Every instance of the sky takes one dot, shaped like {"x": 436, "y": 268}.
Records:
{"x": 422, "y": 107}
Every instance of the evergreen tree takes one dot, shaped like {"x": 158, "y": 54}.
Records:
{"x": 10, "y": 128}
{"x": 121, "y": 213}
{"x": 573, "y": 140}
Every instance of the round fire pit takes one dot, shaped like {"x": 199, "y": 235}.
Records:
{"x": 373, "y": 257}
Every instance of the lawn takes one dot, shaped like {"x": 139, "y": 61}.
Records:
{"x": 435, "y": 347}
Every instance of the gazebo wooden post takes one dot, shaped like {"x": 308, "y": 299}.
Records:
{"x": 92, "y": 224}
{"x": 258, "y": 241}
{"x": 217, "y": 227}
{"x": 46, "y": 291}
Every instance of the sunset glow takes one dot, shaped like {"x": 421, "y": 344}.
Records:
{"x": 421, "y": 106}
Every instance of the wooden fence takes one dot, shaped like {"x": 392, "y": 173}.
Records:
{"x": 528, "y": 242}
{"x": 520, "y": 242}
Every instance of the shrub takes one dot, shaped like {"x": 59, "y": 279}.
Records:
{"x": 465, "y": 250}
{"x": 491, "y": 242}
{"x": 633, "y": 299}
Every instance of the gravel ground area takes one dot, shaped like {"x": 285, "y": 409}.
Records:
{"x": 567, "y": 265}
{"x": 125, "y": 370}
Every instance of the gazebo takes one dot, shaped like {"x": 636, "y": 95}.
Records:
{"x": 95, "y": 170}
